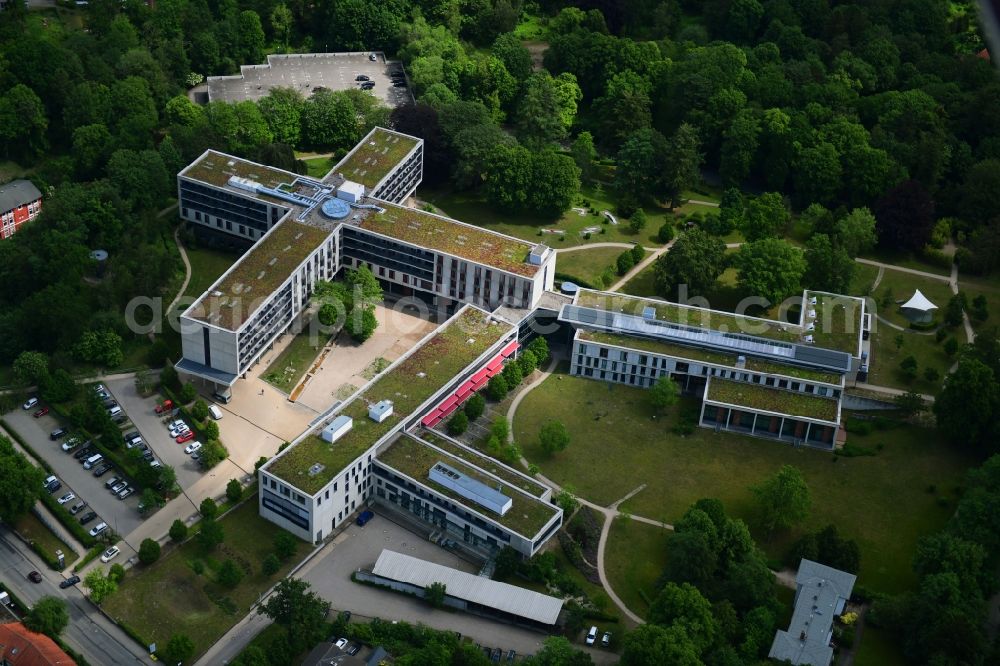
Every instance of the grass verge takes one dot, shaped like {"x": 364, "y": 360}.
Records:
{"x": 42, "y": 540}
{"x": 168, "y": 597}
{"x": 635, "y": 557}
{"x": 287, "y": 369}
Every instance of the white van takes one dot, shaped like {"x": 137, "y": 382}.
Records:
{"x": 591, "y": 635}
{"x": 215, "y": 412}
{"x": 114, "y": 411}
{"x": 92, "y": 461}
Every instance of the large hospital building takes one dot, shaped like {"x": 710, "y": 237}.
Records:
{"x": 770, "y": 379}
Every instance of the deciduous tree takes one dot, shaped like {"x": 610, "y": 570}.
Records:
{"x": 553, "y": 437}
{"x": 783, "y": 499}
{"x": 696, "y": 260}
{"x": 48, "y": 616}
{"x": 771, "y": 268}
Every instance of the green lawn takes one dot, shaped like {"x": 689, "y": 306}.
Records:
{"x": 635, "y": 557}
{"x": 207, "y": 265}
{"x": 588, "y": 265}
{"x": 886, "y": 358}
{"x": 863, "y": 279}
{"x": 285, "y": 371}
{"x": 901, "y": 287}
{"x": 643, "y": 284}
{"x": 618, "y": 443}
{"x": 470, "y": 207}
{"x": 877, "y": 648}
{"x": 991, "y": 289}
{"x": 317, "y": 167}
{"x": 168, "y": 598}
{"x": 34, "y": 530}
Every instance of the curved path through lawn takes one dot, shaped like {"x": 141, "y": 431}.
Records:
{"x": 187, "y": 270}
{"x": 609, "y": 512}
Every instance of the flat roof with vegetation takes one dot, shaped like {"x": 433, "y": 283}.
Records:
{"x": 408, "y": 383}
{"x": 437, "y": 232}
{"x": 706, "y": 356}
{"x": 257, "y": 274}
{"x": 831, "y": 318}
{"x": 376, "y": 155}
{"x": 216, "y": 168}
{"x": 755, "y": 396}
{"x": 414, "y": 458}
{"x": 483, "y": 462}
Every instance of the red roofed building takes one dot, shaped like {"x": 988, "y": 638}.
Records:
{"x": 22, "y": 647}
{"x": 20, "y": 201}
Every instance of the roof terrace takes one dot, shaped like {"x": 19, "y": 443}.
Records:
{"x": 408, "y": 383}
{"x": 755, "y": 396}
{"x": 377, "y": 154}
{"x": 246, "y": 286}
{"x": 446, "y": 235}
{"x": 414, "y": 458}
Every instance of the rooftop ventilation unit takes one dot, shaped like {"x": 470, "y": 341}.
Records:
{"x": 351, "y": 192}
{"x": 339, "y": 427}
{"x": 380, "y": 411}
{"x": 741, "y": 362}
{"x": 316, "y": 469}
{"x": 538, "y": 254}
{"x": 649, "y": 312}
{"x": 470, "y": 488}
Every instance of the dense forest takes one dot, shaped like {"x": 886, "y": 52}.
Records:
{"x": 870, "y": 121}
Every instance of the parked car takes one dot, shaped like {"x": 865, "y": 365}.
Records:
{"x": 495, "y": 657}
{"x": 110, "y": 554}
{"x": 99, "y": 388}
{"x": 54, "y": 486}
{"x": 71, "y": 581}
{"x": 362, "y": 77}
{"x": 354, "y": 649}
{"x": 341, "y": 643}
{"x": 367, "y": 85}
{"x": 606, "y": 639}
{"x": 68, "y": 497}
{"x": 164, "y": 407}
{"x": 103, "y": 469}
{"x": 110, "y": 483}
{"x": 118, "y": 486}
{"x": 180, "y": 430}
{"x": 48, "y": 480}
{"x": 215, "y": 412}
{"x": 372, "y": 57}
{"x": 57, "y": 434}
{"x": 41, "y": 412}
{"x": 364, "y": 518}
{"x": 174, "y": 424}
{"x": 77, "y": 508}
{"x": 29, "y": 404}
{"x": 510, "y": 656}
{"x": 70, "y": 444}
{"x": 591, "y": 635}
{"x": 192, "y": 447}
{"x": 98, "y": 528}
{"x": 88, "y": 517}
{"x": 35, "y": 577}
{"x": 124, "y": 492}
{"x": 399, "y": 84}
{"x": 184, "y": 437}
{"x": 85, "y": 452}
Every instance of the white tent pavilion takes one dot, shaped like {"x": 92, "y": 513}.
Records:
{"x": 918, "y": 308}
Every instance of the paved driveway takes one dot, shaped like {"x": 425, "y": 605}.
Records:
{"x": 121, "y": 516}
{"x": 329, "y": 573}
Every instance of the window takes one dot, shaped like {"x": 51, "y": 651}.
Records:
{"x": 682, "y": 367}
{"x": 782, "y": 383}
{"x": 769, "y": 381}
{"x": 795, "y": 386}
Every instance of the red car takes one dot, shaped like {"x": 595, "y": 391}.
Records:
{"x": 165, "y": 407}
{"x": 41, "y": 412}
{"x": 186, "y": 437}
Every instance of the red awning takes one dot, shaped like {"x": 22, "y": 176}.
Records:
{"x": 465, "y": 389}
{"x": 510, "y": 349}
{"x": 429, "y": 419}
{"x": 450, "y": 402}
{"x": 494, "y": 365}
{"x": 481, "y": 376}
{"x": 446, "y": 413}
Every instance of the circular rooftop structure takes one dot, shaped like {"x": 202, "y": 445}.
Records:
{"x": 99, "y": 255}
{"x": 569, "y": 288}
{"x": 336, "y": 209}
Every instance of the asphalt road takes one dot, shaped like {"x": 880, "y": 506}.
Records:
{"x": 121, "y": 515}
{"x": 98, "y": 639}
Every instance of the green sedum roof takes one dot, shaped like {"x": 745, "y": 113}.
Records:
{"x": 375, "y": 157}
{"x": 755, "y": 396}
{"x": 408, "y": 383}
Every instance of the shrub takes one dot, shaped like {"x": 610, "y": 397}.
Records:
{"x": 116, "y": 573}
{"x": 200, "y": 410}
{"x": 458, "y": 423}
{"x": 179, "y": 649}
{"x": 475, "y": 407}
{"x": 500, "y": 428}
{"x": 211, "y": 534}
{"x": 666, "y": 232}
{"x": 270, "y": 565}
{"x": 540, "y": 348}
{"x": 908, "y": 368}
{"x": 940, "y": 335}
{"x": 638, "y": 253}
{"x": 512, "y": 373}
{"x": 188, "y": 393}
{"x": 210, "y": 430}
{"x": 178, "y": 531}
{"x": 951, "y": 346}
{"x": 931, "y": 374}
{"x": 625, "y": 262}
{"x": 284, "y": 545}
{"x": 434, "y": 594}
{"x": 212, "y": 453}
{"x": 149, "y": 551}
{"x": 497, "y": 388}
{"x": 208, "y": 508}
{"x": 527, "y": 361}
{"x": 553, "y": 437}
{"x": 230, "y": 574}
{"x": 234, "y": 491}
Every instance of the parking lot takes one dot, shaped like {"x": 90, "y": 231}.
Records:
{"x": 122, "y": 516}
{"x": 355, "y": 548}
{"x": 305, "y": 72}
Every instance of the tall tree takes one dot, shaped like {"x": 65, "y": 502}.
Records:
{"x": 904, "y": 217}
{"x": 641, "y": 166}
{"x": 967, "y": 403}
{"x": 48, "y": 616}
{"x": 766, "y": 217}
{"x": 828, "y": 267}
{"x": 20, "y": 482}
{"x": 856, "y": 232}
{"x": 684, "y": 163}
{"x": 299, "y": 610}
{"x": 771, "y": 268}
{"x": 696, "y": 260}
{"x": 282, "y": 111}
{"x": 783, "y": 499}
